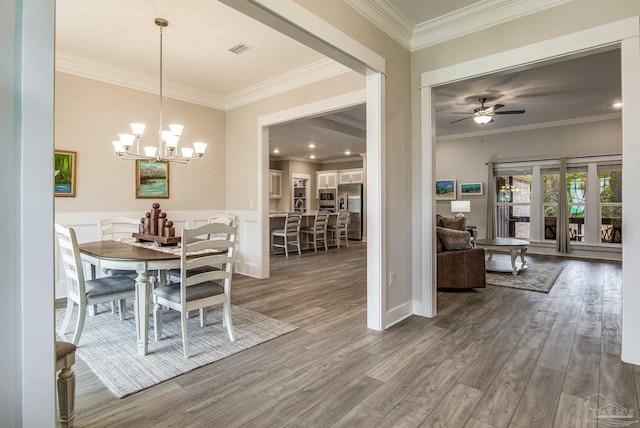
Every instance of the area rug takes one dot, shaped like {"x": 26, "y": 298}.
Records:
{"x": 537, "y": 277}
{"x": 108, "y": 346}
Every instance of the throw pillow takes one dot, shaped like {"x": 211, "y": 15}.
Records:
{"x": 453, "y": 239}
{"x": 457, "y": 223}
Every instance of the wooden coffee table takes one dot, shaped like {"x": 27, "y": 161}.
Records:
{"x": 513, "y": 246}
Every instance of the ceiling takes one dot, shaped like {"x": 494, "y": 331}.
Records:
{"x": 120, "y": 36}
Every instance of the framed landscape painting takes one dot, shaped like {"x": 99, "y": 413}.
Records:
{"x": 64, "y": 170}
{"x": 471, "y": 188}
{"x": 445, "y": 189}
{"x": 152, "y": 179}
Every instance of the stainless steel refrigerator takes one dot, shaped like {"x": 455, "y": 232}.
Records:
{"x": 350, "y": 199}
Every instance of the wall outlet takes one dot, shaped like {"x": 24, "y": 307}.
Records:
{"x": 251, "y": 205}
{"x": 392, "y": 279}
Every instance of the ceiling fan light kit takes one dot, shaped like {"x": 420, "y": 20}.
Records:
{"x": 483, "y": 115}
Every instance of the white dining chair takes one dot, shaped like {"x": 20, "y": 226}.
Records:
{"x": 340, "y": 230}
{"x": 117, "y": 227}
{"x": 317, "y": 232}
{"x": 290, "y": 233}
{"x": 87, "y": 292}
{"x": 203, "y": 289}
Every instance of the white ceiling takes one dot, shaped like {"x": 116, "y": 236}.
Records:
{"x": 120, "y": 36}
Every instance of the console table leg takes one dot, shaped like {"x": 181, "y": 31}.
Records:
{"x": 522, "y": 253}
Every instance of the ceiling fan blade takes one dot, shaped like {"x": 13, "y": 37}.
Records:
{"x": 460, "y": 120}
{"x": 496, "y": 107}
{"x": 510, "y": 112}
{"x": 461, "y": 112}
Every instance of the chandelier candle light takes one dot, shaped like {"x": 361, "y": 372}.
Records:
{"x": 167, "y": 140}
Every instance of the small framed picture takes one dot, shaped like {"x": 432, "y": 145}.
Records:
{"x": 446, "y": 189}
{"x": 152, "y": 180}
{"x": 471, "y": 188}
{"x": 64, "y": 170}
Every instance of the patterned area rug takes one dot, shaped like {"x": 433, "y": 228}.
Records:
{"x": 108, "y": 346}
{"x": 538, "y": 276}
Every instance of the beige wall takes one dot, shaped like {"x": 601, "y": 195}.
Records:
{"x": 341, "y": 165}
{"x": 90, "y": 114}
{"x": 242, "y": 133}
{"x": 465, "y": 159}
{"x": 398, "y": 142}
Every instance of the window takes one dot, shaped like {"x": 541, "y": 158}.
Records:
{"x": 577, "y": 201}
{"x": 527, "y": 198}
{"x": 513, "y": 202}
{"x": 610, "y": 177}
{"x": 550, "y": 189}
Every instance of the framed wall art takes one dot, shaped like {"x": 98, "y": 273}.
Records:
{"x": 152, "y": 179}
{"x": 64, "y": 169}
{"x": 445, "y": 189}
{"x": 471, "y": 188}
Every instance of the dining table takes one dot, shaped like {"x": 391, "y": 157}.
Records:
{"x": 143, "y": 257}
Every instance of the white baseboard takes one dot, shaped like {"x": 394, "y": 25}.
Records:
{"x": 398, "y": 314}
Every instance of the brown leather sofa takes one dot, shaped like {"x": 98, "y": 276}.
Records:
{"x": 458, "y": 268}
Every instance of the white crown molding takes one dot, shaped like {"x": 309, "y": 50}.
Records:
{"x": 476, "y": 17}
{"x": 102, "y": 72}
{"x": 349, "y": 122}
{"x": 302, "y": 76}
{"x": 387, "y": 18}
{"x": 78, "y": 66}
{"x": 565, "y": 122}
{"x": 341, "y": 160}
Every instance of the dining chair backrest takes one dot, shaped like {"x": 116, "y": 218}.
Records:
{"x": 223, "y": 218}
{"x": 321, "y": 220}
{"x": 292, "y": 223}
{"x": 71, "y": 262}
{"x": 343, "y": 220}
{"x": 207, "y": 252}
{"x": 117, "y": 227}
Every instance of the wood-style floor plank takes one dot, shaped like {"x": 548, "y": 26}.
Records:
{"x": 492, "y": 358}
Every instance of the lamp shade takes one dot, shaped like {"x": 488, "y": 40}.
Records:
{"x": 482, "y": 120}
{"x": 460, "y": 206}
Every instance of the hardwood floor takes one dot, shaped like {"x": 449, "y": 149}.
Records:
{"x": 494, "y": 357}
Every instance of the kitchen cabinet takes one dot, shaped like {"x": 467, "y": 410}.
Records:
{"x": 327, "y": 179}
{"x": 275, "y": 184}
{"x": 351, "y": 176}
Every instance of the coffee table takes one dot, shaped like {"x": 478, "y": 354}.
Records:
{"x": 513, "y": 246}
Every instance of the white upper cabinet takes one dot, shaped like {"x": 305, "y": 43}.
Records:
{"x": 275, "y": 184}
{"x": 327, "y": 179}
{"x": 351, "y": 176}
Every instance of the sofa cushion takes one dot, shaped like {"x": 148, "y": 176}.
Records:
{"x": 453, "y": 239}
{"x": 456, "y": 223}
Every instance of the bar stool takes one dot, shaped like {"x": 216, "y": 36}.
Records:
{"x": 318, "y": 232}
{"x": 290, "y": 234}
{"x": 339, "y": 230}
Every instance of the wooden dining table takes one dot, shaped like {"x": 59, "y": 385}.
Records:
{"x": 113, "y": 254}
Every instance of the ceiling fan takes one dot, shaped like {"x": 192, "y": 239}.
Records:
{"x": 483, "y": 114}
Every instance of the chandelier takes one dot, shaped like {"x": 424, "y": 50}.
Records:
{"x": 166, "y": 151}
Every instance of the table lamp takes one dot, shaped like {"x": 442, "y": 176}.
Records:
{"x": 460, "y": 207}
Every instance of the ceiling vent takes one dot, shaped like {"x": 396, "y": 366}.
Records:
{"x": 239, "y": 48}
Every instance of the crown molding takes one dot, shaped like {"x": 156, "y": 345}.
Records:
{"x": 565, "y": 122}
{"x": 387, "y": 18}
{"x": 349, "y": 122}
{"x": 476, "y": 17}
{"x": 82, "y": 67}
{"x": 302, "y": 76}
{"x": 341, "y": 160}
{"x": 102, "y": 72}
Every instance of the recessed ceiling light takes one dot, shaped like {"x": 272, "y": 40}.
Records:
{"x": 311, "y": 146}
{"x": 617, "y": 105}
{"x": 312, "y": 156}
{"x": 276, "y": 151}
{"x": 347, "y": 152}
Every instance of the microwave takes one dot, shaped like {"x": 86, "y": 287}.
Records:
{"x": 327, "y": 194}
